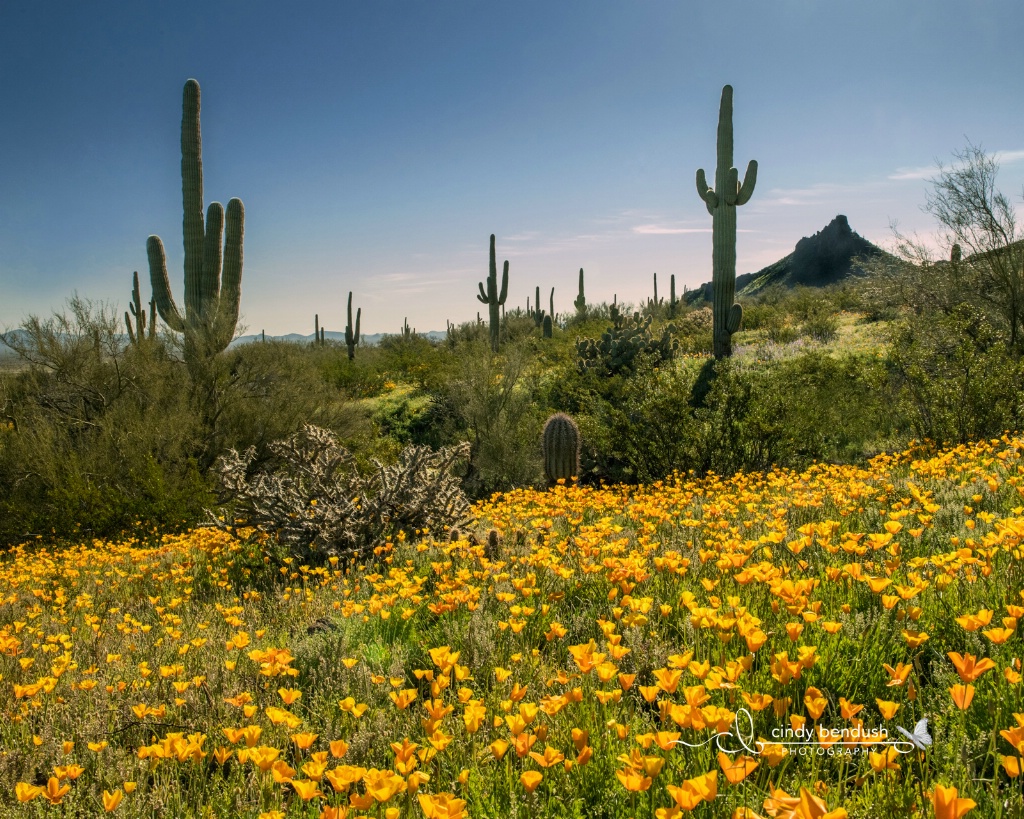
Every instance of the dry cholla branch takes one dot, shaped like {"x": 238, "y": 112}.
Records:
{"x": 318, "y": 505}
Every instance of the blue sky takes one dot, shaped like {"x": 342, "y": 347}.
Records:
{"x": 377, "y": 145}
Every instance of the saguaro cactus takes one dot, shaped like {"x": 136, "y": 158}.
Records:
{"x": 538, "y": 314}
{"x": 138, "y": 333}
{"x": 213, "y": 274}
{"x": 352, "y": 336}
{"x": 721, "y": 203}
{"x": 581, "y": 302}
{"x": 560, "y": 443}
{"x": 492, "y": 298}
{"x": 656, "y": 302}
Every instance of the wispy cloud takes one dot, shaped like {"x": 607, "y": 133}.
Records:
{"x": 811, "y": 195}
{"x": 657, "y": 229}
{"x": 925, "y": 172}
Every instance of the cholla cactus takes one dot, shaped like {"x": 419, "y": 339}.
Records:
{"x": 319, "y": 505}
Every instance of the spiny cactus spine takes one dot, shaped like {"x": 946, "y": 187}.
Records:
{"x": 213, "y": 274}
{"x": 492, "y": 298}
{"x": 721, "y": 203}
{"x": 551, "y": 304}
{"x": 137, "y": 333}
{"x": 352, "y": 335}
{"x": 560, "y": 443}
{"x": 546, "y": 328}
{"x": 581, "y": 302}
{"x": 318, "y": 332}
{"x": 673, "y": 303}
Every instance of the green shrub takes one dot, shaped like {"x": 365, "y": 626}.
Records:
{"x": 954, "y": 377}
{"x": 106, "y": 435}
{"x": 490, "y": 400}
{"x": 821, "y": 325}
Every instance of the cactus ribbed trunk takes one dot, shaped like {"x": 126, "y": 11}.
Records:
{"x": 560, "y": 443}
{"x": 581, "y": 301}
{"x": 721, "y": 203}
{"x": 352, "y": 335}
{"x": 492, "y": 298}
{"x": 213, "y": 252}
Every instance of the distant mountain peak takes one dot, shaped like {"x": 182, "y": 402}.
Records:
{"x": 817, "y": 261}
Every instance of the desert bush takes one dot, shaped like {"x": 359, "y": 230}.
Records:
{"x": 101, "y": 436}
{"x": 779, "y": 328}
{"x": 319, "y": 505}
{"x": 821, "y": 325}
{"x": 642, "y": 430}
{"x": 490, "y": 399}
{"x": 954, "y": 376}
{"x": 106, "y": 435}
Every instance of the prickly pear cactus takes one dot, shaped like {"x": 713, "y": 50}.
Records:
{"x": 620, "y": 346}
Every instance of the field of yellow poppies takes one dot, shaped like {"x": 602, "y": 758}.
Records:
{"x": 746, "y": 646}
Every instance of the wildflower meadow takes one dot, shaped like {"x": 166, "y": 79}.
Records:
{"x": 744, "y": 646}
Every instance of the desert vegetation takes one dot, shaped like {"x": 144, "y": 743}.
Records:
{"x": 604, "y": 561}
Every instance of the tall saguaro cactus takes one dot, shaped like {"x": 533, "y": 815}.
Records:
{"x": 137, "y": 334}
{"x": 721, "y": 203}
{"x": 352, "y": 336}
{"x": 492, "y": 298}
{"x": 213, "y": 253}
{"x": 581, "y": 301}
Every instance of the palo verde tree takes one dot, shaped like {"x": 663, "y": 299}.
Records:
{"x": 981, "y": 220}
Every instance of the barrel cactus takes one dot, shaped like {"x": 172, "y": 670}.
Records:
{"x": 561, "y": 449}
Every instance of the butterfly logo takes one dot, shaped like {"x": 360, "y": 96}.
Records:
{"x": 921, "y": 739}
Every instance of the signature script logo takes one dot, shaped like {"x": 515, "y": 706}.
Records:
{"x": 742, "y": 732}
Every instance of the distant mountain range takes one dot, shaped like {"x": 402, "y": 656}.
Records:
{"x": 364, "y": 338}
{"x": 825, "y": 258}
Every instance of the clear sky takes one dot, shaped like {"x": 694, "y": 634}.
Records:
{"x": 377, "y": 145}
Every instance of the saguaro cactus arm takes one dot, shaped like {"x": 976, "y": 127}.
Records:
{"x": 169, "y": 311}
